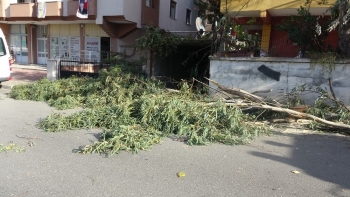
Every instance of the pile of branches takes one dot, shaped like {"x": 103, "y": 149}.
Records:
{"x": 135, "y": 112}
{"x": 328, "y": 113}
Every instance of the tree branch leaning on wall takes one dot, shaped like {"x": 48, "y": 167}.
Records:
{"x": 258, "y": 103}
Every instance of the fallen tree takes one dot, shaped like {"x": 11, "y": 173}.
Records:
{"x": 242, "y": 94}
{"x": 257, "y": 102}
{"x": 135, "y": 112}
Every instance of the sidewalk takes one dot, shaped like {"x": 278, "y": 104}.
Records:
{"x": 30, "y": 66}
{"x": 23, "y": 74}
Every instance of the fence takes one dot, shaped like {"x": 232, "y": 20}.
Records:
{"x": 90, "y": 65}
{"x": 69, "y": 68}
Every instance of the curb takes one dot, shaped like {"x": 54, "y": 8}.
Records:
{"x": 29, "y": 68}
{"x": 8, "y": 87}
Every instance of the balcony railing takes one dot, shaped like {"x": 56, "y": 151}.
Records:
{"x": 22, "y": 10}
{"x": 54, "y": 8}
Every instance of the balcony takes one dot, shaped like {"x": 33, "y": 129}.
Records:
{"x": 72, "y": 7}
{"x": 22, "y": 10}
{"x": 54, "y": 8}
{"x": 2, "y": 11}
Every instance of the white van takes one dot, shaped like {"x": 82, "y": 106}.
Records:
{"x": 5, "y": 63}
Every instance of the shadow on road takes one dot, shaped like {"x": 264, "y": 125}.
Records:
{"x": 318, "y": 155}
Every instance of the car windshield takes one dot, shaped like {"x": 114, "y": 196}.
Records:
{"x": 2, "y": 48}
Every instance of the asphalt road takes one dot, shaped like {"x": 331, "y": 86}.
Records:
{"x": 263, "y": 168}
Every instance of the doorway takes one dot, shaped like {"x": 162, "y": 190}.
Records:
{"x": 42, "y": 51}
{"x": 105, "y": 48}
{"x": 19, "y": 45}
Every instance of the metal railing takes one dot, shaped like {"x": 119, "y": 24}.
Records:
{"x": 88, "y": 63}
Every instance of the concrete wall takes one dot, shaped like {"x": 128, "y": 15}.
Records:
{"x": 167, "y": 23}
{"x": 132, "y": 11}
{"x": 243, "y": 73}
{"x": 127, "y": 44}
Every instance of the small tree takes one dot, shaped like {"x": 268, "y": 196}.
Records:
{"x": 301, "y": 29}
{"x": 340, "y": 13}
{"x": 222, "y": 25}
{"x": 159, "y": 41}
{"x": 210, "y": 9}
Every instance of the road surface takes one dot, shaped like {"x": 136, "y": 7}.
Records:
{"x": 49, "y": 167}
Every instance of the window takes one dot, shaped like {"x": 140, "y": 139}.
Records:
{"x": 172, "y": 9}
{"x": 188, "y": 16}
{"x": 18, "y": 29}
{"x": 2, "y": 48}
{"x": 149, "y": 3}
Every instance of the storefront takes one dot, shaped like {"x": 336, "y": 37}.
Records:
{"x": 19, "y": 43}
{"x": 36, "y": 43}
{"x": 77, "y": 41}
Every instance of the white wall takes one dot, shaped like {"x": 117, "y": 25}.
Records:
{"x": 243, "y": 73}
{"x": 127, "y": 44}
{"x": 131, "y": 9}
{"x": 109, "y": 8}
{"x": 167, "y": 23}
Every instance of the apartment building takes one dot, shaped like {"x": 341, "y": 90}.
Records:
{"x": 37, "y": 30}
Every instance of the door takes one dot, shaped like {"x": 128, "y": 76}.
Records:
{"x": 19, "y": 45}
{"x": 105, "y": 48}
{"x": 42, "y": 51}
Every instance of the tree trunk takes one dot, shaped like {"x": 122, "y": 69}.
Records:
{"x": 344, "y": 30}
{"x": 215, "y": 42}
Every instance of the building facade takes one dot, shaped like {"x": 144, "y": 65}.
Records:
{"x": 108, "y": 26}
{"x": 268, "y": 14}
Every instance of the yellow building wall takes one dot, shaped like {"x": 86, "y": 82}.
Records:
{"x": 64, "y": 30}
{"x": 265, "y": 37}
{"x": 54, "y": 30}
{"x": 94, "y": 31}
{"x": 74, "y": 30}
{"x": 262, "y": 5}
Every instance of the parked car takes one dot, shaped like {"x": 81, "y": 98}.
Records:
{"x": 5, "y": 62}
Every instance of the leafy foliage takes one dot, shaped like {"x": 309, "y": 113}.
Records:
{"x": 210, "y": 9}
{"x": 159, "y": 41}
{"x": 125, "y": 62}
{"x": 325, "y": 106}
{"x": 340, "y": 15}
{"x": 326, "y": 60}
{"x": 243, "y": 42}
{"x": 128, "y": 138}
{"x": 302, "y": 30}
{"x": 336, "y": 9}
{"x": 11, "y": 147}
{"x": 135, "y": 112}
{"x": 58, "y": 93}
